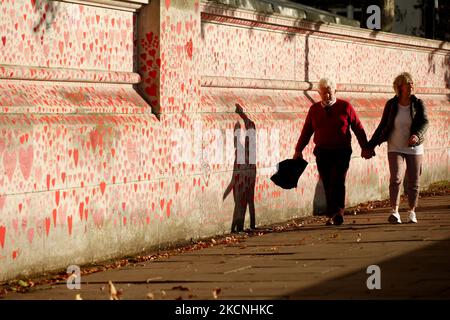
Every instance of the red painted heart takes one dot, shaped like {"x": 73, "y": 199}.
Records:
{"x": 26, "y": 156}
{"x": 2, "y": 236}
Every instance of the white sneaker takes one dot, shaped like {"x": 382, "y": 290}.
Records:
{"x": 394, "y": 218}
{"x": 412, "y": 217}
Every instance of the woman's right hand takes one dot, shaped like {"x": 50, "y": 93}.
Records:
{"x": 413, "y": 140}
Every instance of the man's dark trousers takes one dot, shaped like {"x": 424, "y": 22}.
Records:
{"x": 332, "y": 165}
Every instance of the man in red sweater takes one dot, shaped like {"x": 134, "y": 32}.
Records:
{"x": 330, "y": 121}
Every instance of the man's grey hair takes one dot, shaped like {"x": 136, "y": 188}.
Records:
{"x": 325, "y": 83}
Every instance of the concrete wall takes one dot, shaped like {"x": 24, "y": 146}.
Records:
{"x": 117, "y": 127}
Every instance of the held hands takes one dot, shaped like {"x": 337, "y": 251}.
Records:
{"x": 367, "y": 153}
{"x": 413, "y": 140}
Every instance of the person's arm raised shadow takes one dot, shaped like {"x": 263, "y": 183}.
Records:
{"x": 250, "y": 166}
{"x": 249, "y": 124}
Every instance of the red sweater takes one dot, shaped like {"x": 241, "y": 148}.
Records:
{"x": 331, "y": 128}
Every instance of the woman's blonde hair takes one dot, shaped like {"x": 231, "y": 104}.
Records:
{"x": 401, "y": 79}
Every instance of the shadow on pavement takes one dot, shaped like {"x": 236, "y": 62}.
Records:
{"x": 420, "y": 274}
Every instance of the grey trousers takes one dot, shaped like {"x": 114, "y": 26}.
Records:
{"x": 413, "y": 170}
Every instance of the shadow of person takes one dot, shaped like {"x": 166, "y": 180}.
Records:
{"x": 243, "y": 180}
{"x": 319, "y": 201}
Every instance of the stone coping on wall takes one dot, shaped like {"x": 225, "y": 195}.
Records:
{"x": 217, "y": 11}
{"x": 286, "y": 8}
{"x": 249, "y": 83}
{"x": 126, "y": 5}
{"x": 69, "y": 75}
{"x": 22, "y": 96}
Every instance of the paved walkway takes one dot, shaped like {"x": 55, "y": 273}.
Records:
{"x": 312, "y": 261}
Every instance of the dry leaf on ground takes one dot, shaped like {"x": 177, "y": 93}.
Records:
{"x": 358, "y": 238}
{"x": 216, "y": 292}
{"x": 181, "y": 288}
{"x": 113, "y": 293}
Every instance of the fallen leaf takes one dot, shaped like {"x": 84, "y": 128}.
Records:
{"x": 358, "y": 238}
{"x": 163, "y": 293}
{"x": 238, "y": 269}
{"x": 78, "y": 297}
{"x": 22, "y": 283}
{"x": 113, "y": 294}
{"x": 3, "y": 293}
{"x": 150, "y": 296}
{"x": 151, "y": 279}
{"x": 181, "y": 288}
{"x": 216, "y": 292}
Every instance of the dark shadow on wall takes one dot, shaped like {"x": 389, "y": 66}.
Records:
{"x": 319, "y": 201}
{"x": 46, "y": 12}
{"x": 307, "y": 67}
{"x": 316, "y": 27}
{"x": 432, "y": 63}
{"x": 420, "y": 274}
{"x": 244, "y": 173}
{"x": 447, "y": 74}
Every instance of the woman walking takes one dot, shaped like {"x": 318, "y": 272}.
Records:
{"x": 403, "y": 126}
